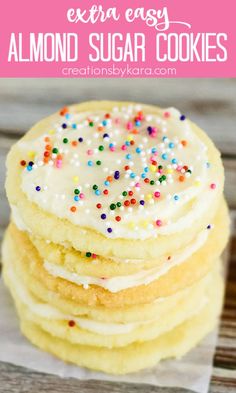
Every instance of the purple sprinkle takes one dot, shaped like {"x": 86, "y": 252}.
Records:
{"x": 116, "y": 175}
{"x": 64, "y": 125}
{"x": 103, "y": 216}
{"x": 31, "y": 163}
{"x": 142, "y": 202}
{"x": 80, "y": 139}
{"x": 209, "y": 226}
{"x": 182, "y": 117}
{"x": 105, "y": 136}
{"x": 38, "y": 188}
{"x": 109, "y": 230}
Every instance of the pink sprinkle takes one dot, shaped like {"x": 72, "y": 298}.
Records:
{"x": 117, "y": 120}
{"x": 213, "y": 186}
{"x": 90, "y": 152}
{"x": 179, "y": 168}
{"x": 166, "y": 115}
{"x": 157, "y": 194}
{"x": 59, "y": 163}
{"x": 129, "y": 125}
{"x": 137, "y": 185}
{"x": 112, "y": 148}
{"x": 81, "y": 195}
{"x": 94, "y": 256}
{"x": 159, "y": 223}
{"x": 123, "y": 147}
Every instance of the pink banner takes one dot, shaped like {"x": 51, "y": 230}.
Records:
{"x": 133, "y": 38}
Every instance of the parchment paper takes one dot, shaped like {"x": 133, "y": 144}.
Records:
{"x": 191, "y": 372}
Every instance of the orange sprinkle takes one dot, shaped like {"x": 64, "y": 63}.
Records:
{"x": 46, "y": 139}
{"x": 48, "y": 147}
{"x": 45, "y": 160}
{"x": 100, "y": 128}
{"x": 109, "y": 178}
{"x": 59, "y": 157}
{"x": 181, "y": 178}
{"x": 74, "y": 143}
{"x": 73, "y": 209}
{"x": 64, "y": 110}
{"x": 134, "y": 131}
{"x": 184, "y": 143}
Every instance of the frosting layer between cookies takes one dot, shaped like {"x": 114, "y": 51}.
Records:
{"x": 116, "y": 284}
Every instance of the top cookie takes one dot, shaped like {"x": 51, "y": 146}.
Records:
{"x": 122, "y": 170}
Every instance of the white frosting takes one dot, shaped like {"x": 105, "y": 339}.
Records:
{"x": 193, "y": 196}
{"x": 44, "y": 310}
{"x": 118, "y": 283}
{"x": 17, "y": 219}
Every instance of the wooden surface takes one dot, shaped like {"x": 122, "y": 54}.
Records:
{"x": 212, "y": 104}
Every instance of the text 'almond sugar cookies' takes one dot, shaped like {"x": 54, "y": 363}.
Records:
{"x": 118, "y": 223}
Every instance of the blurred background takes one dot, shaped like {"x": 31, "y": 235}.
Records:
{"x": 211, "y": 103}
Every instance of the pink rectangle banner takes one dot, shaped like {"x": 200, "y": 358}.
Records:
{"x": 121, "y": 39}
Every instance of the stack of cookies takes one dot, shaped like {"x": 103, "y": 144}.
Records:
{"x": 118, "y": 222}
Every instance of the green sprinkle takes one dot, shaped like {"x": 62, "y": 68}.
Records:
{"x": 124, "y": 193}
{"x": 88, "y": 254}
{"x": 65, "y": 140}
{"x": 91, "y": 124}
{"x": 118, "y": 204}
{"x": 95, "y": 187}
{"x": 101, "y": 148}
{"x": 112, "y": 206}
{"x": 98, "y": 162}
{"x": 55, "y": 150}
{"x": 76, "y": 191}
{"x": 152, "y": 182}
